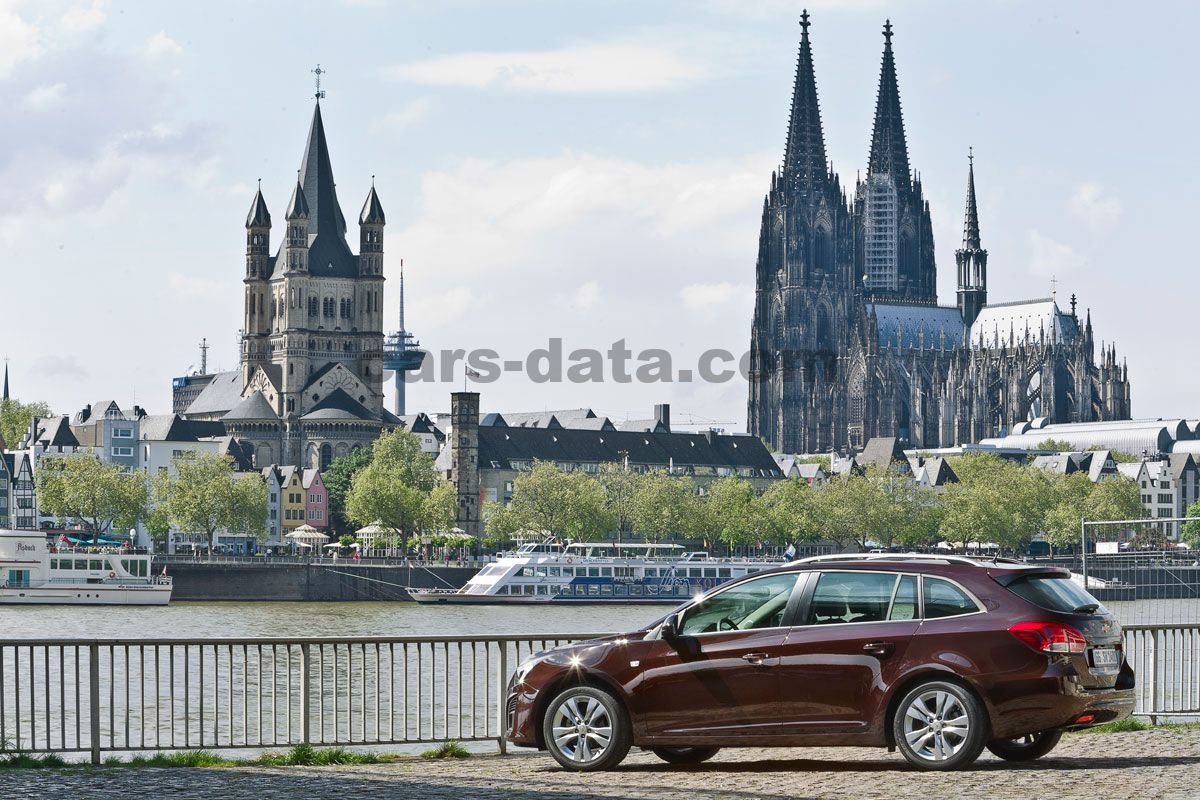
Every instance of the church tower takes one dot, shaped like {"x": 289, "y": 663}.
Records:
{"x": 804, "y": 289}
{"x": 971, "y": 257}
{"x": 895, "y": 234}
{"x": 255, "y": 322}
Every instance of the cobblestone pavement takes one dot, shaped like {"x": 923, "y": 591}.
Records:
{"x": 1161, "y": 763}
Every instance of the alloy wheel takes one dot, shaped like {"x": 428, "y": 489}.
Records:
{"x": 936, "y": 725}
{"x": 582, "y": 729}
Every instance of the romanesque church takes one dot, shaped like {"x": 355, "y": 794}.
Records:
{"x": 848, "y": 341}
{"x": 310, "y": 386}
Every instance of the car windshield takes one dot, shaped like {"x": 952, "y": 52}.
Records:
{"x": 1056, "y": 593}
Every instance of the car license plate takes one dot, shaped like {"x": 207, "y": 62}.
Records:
{"x": 1106, "y": 659}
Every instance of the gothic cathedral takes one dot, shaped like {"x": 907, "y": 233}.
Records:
{"x": 848, "y": 341}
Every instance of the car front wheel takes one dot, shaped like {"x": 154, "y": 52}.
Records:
{"x": 685, "y": 755}
{"x": 940, "y": 726}
{"x": 585, "y": 729}
{"x": 1025, "y": 748}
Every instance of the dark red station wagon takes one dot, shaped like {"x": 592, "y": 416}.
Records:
{"x": 938, "y": 656}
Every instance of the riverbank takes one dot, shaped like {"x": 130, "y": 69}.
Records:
{"x": 316, "y": 582}
{"x": 1163, "y": 762}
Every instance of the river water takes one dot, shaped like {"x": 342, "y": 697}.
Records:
{"x": 195, "y": 620}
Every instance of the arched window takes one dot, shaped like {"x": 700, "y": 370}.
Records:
{"x": 822, "y": 252}
{"x": 824, "y": 329}
{"x": 326, "y": 456}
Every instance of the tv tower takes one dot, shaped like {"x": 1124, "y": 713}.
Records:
{"x": 401, "y": 352}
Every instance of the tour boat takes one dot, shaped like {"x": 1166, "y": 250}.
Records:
{"x": 33, "y": 572}
{"x": 589, "y": 572}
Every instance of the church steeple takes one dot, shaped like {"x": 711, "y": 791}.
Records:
{"x": 316, "y": 176}
{"x": 971, "y": 257}
{"x": 889, "y": 150}
{"x": 804, "y": 155}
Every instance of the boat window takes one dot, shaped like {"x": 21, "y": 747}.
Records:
{"x": 54, "y": 563}
{"x": 710, "y": 572}
{"x": 593, "y": 572}
{"x": 81, "y": 563}
{"x": 651, "y": 572}
{"x": 96, "y": 564}
{"x": 606, "y": 589}
{"x": 621, "y": 588}
{"x": 723, "y": 572}
{"x": 606, "y": 572}
{"x": 635, "y": 589}
{"x": 695, "y": 572}
{"x": 554, "y": 571}
{"x": 593, "y": 589}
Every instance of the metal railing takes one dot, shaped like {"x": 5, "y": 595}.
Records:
{"x": 94, "y": 697}
{"x": 101, "y": 696}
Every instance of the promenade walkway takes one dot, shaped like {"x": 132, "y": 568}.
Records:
{"x": 1157, "y": 763}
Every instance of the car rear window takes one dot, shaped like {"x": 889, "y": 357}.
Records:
{"x": 1053, "y": 593}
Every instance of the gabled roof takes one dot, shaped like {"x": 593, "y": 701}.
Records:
{"x": 907, "y": 325}
{"x": 222, "y": 393}
{"x": 659, "y": 450}
{"x": 311, "y": 477}
{"x": 55, "y": 432}
{"x": 642, "y": 425}
{"x": 166, "y": 428}
{"x": 339, "y": 405}
{"x": 882, "y": 452}
{"x": 1009, "y": 324}
{"x": 254, "y": 407}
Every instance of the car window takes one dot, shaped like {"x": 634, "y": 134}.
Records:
{"x": 1054, "y": 593}
{"x": 944, "y": 599}
{"x": 905, "y": 604}
{"x": 851, "y": 597}
{"x": 757, "y": 603}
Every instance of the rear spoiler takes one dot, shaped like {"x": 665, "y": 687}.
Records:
{"x": 1009, "y": 577}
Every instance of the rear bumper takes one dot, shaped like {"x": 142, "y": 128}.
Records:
{"x": 1058, "y": 701}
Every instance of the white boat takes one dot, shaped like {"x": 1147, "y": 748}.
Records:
{"x": 589, "y": 572}
{"x": 34, "y": 572}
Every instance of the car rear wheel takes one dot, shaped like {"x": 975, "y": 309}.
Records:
{"x": 1025, "y": 748}
{"x": 685, "y": 755}
{"x": 940, "y": 726}
{"x": 585, "y": 729}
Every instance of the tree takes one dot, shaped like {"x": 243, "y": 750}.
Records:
{"x": 15, "y": 417}
{"x": 206, "y": 495}
{"x": 732, "y": 512}
{"x": 662, "y": 505}
{"x": 1057, "y": 445}
{"x": 1115, "y": 498}
{"x": 620, "y": 486}
{"x": 1069, "y": 508}
{"x": 835, "y": 512}
{"x": 1191, "y": 530}
{"x": 394, "y": 488}
{"x": 337, "y": 478}
{"x": 995, "y": 500}
{"x": 99, "y": 495}
{"x": 545, "y": 499}
{"x": 441, "y": 507}
{"x": 789, "y": 512}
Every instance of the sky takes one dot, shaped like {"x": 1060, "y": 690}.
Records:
{"x": 592, "y": 172}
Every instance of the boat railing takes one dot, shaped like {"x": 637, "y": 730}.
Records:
{"x": 96, "y": 696}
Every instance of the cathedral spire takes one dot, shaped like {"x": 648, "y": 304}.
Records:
{"x": 889, "y": 151}
{"x": 804, "y": 155}
{"x": 971, "y": 221}
{"x": 316, "y": 176}
{"x": 258, "y": 217}
{"x": 5, "y": 395}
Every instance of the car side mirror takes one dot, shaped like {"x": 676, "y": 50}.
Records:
{"x": 672, "y": 626}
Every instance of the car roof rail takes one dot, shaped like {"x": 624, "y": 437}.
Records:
{"x": 944, "y": 558}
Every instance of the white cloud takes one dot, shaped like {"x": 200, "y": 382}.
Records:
{"x": 587, "y": 295}
{"x": 18, "y": 40}
{"x": 1049, "y": 257}
{"x": 604, "y": 67}
{"x": 703, "y": 296}
{"x": 83, "y": 18}
{"x": 160, "y": 44}
{"x": 46, "y": 96}
{"x": 1091, "y": 204}
{"x": 404, "y": 117}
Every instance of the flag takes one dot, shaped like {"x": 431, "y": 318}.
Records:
{"x": 472, "y": 373}
{"x": 164, "y": 572}
{"x": 790, "y": 553}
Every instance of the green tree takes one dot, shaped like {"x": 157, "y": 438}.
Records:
{"x": 547, "y": 500}
{"x": 789, "y": 512}
{"x": 101, "y": 496}
{"x": 1069, "y": 508}
{"x": 1190, "y": 533}
{"x": 995, "y": 501}
{"x": 206, "y": 495}
{"x": 394, "y": 488}
{"x": 1115, "y": 498}
{"x": 15, "y": 417}
{"x": 441, "y": 507}
{"x": 337, "y": 478}
{"x": 1057, "y": 445}
{"x": 663, "y": 505}
{"x": 836, "y": 512}
{"x": 620, "y": 486}
{"x": 732, "y": 512}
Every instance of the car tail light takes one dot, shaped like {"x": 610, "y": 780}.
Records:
{"x": 1050, "y": 637}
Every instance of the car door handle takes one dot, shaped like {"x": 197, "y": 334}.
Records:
{"x": 879, "y": 649}
{"x": 759, "y": 659}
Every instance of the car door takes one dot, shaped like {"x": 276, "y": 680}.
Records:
{"x": 719, "y": 677}
{"x": 836, "y": 667}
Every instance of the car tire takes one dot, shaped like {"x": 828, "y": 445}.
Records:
{"x": 939, "y": 725}
{"x": 585, "y": 729}
{"x": 1025, "y": 748}
{"x": 685, "y": 755}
